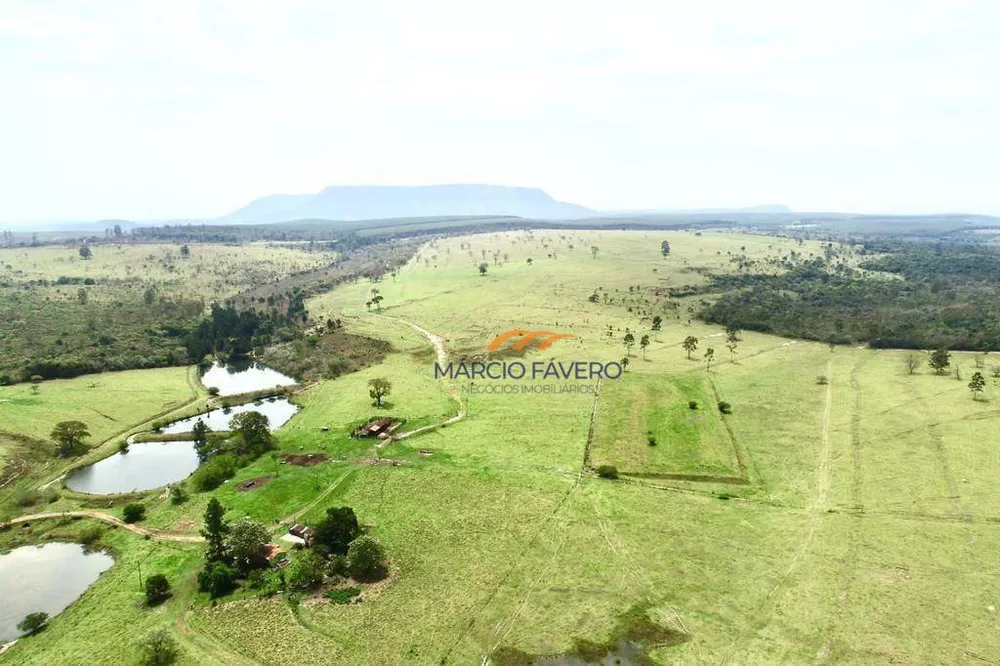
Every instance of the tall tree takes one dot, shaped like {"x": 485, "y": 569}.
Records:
{"x": 643, "y": 343}
{"x": 624, "y": 362}
{"x": 690, "y": 344}
{"x": 85, "y": 252}
{"x": 940, "y": 360}
{"x": 69, "y": 436}
{"x": 594, "y": 250}
{"x": 201, "y": 444}
{"x": 215, "y": 531}
{"x": 254, "y": 432}
{"x": 977, "y": 384}
{"x": 665, "y": 248}
{"x": 709, "y": 357}
{"x": 337, "y": 530}
{"x": 247, "y": 544}
{"x": 378, "y": 388}
{"x": 657, "y": 323}
{"x": 628, "y": 341}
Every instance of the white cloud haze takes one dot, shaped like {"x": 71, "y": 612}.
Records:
{"x": 145, "y": 110}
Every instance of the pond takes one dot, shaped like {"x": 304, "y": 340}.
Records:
{"x": 146, "y": 465}
{"x": 44, "y": 578}
{"x": 243, "y": 377}
{"x": 277, "y": 410}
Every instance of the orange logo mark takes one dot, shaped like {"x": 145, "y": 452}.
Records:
{"x": 527, "y": 337}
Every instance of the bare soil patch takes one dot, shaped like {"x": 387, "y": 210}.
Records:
{"x": 304, "y": 459}
{"x": 252, "y": 484}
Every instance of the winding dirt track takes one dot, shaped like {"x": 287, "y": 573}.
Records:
{"x": 162, "y": 535}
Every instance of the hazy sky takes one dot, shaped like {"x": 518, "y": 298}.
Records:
{"x": 146, "y": 110}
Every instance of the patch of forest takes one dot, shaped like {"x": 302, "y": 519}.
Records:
{"x": 923, "y": 297}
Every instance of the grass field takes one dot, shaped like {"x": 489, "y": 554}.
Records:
{"x": 211, "y": 270}
{"x": 861, "y": 531}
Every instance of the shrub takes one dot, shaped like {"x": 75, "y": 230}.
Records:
{"x": 651, "y": 440}
{"x": 26, "y": 497}
{"x": 33, "y": 623}
{"x": 91, "y": 535}
{"x": 123, "y": 447}
{"x": 52, "y": 495}
{"x": 306, "y": 572}
{"x": 822, "y": 380}
{"x": 217, "y": 579}
{"x": 343, "y": 595}
{"x": 212, "y": 473}
{"x": 178, "y": 495}
{"x": 725, "y": 407}
{"x": 158, "y": 648}
{"x": 157, "y": 589}
{"x": 607, "y": 472}
{"x": 692, "y": 404}
{"x": 366, "y": 558}
{"x": 213, "y": 391}
{"x": 133, "y": 513}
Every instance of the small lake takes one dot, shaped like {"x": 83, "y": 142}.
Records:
{"x": 146, "y": 465}
{"x": 44, "y": 578}
{"x": 277, "y": 410}
{"x": 243, "y": 377}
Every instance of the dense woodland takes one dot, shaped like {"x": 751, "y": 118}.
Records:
{"x": 922, "y": 297}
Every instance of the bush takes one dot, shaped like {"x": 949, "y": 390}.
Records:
{"x": 213, "y": 391}
{"x": 607, "y": 472}
{"x": 157, "y": 589}
{"x": 217, "y": 579}
{"x": 178, "y": 495}
{"x": 366, "y": 559}
{"x": 306, "y": 572}
{"x": 26, "y": 497}
{"x": 123, "y": 447}
{"x": 33, "y": 623}
{"x": 212, "y": 473}
{"x": 651, "y": 440}
{"x": 343, "y": 595}
{"x": 822, "y": 380}
{"x": 158, "y": 649}
{"x": 133, "y": 513}
{"x": 725, "y": 407}
{"x": 91, "y": 535}
{"x": 692, "y": 404}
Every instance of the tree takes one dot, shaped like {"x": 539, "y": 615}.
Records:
{"x": 378, "y": 388}
{"x": 940, "y": 360}
{"x": 376, "y": 299}
{"x": 977, "y": 384}
{"x": 594, "y": 250}
{"x": 33, "y": 623}
{"x": 657, "y": 323}
{"x": 337, "y": 530}
{"x": 157, "y": 589}
{"x": 133, "y": 513}
{"x": 665, "y": 248}
{"x": 215, "y": 531}
{"x": 731, "y": 346}
{"x": 629, "y": 342}
{"x": 483, "y": 267}
{"x": 643, "y": 343}
{"x": 185, "y": 251}
{"x": 624, "y": 362}
{"x": 709, "y": 357}
{"x": 201, "y": 445}
{"x": 85, "y": 252}
{"x": 732, "y": 334}
{"x": 247, "y": 544}
{"x": 690, "y": 344}
{"x": 607, "y": 471}
{"x": 158, "y": 648}
{"x": 254, "y": 431}
{"x": 217, "y": 578}
{"x": 70, "y": 436}
{"x": 366, "y": 559}
{"x": 912, "y": 362}
{"x": 306, "y": 571}
{"x": 118, "y": 231}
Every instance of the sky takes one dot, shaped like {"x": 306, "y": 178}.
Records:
{"x": 160, "y": 110}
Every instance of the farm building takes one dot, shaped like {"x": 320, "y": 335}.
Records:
{"x": 300, "y": 534}
{"x": 377, "y": 428}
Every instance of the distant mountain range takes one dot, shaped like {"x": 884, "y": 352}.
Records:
{"x": 381, "y": 202}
